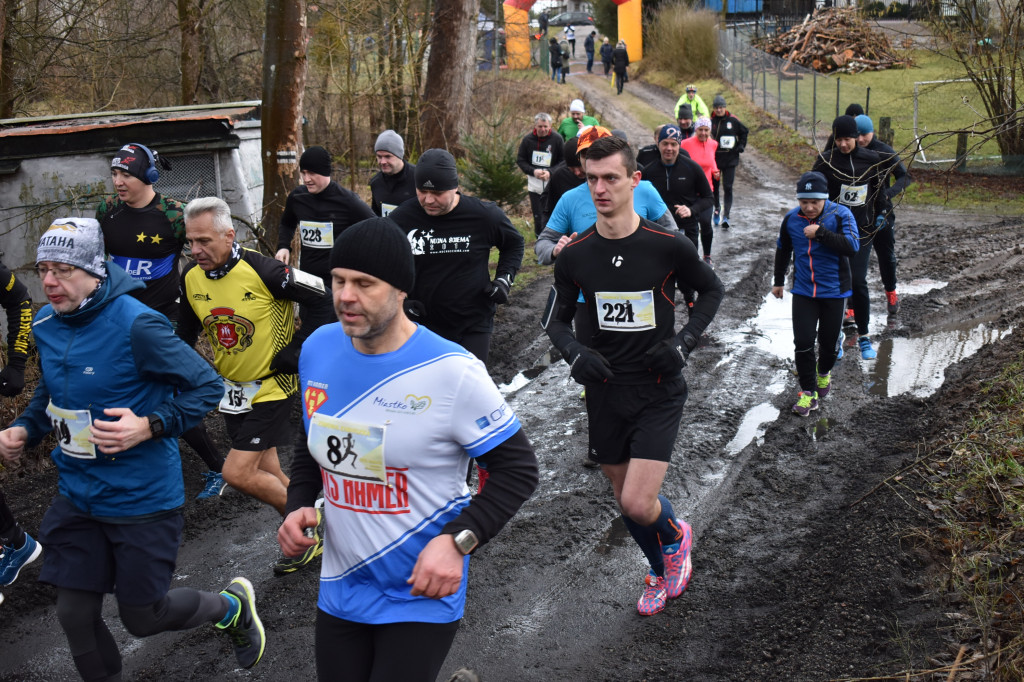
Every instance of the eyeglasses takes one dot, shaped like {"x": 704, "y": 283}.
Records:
{"x": 60, "y": 272}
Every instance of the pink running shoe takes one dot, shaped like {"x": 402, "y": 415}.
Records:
{"x": 654, "y": 596}
{"x": 677, "y": 562}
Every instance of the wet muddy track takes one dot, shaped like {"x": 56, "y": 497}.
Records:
{"x": 792, "y": 580}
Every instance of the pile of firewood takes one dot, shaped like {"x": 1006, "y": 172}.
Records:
{"x": 834, "y": 40}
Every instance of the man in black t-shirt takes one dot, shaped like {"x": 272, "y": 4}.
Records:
{"x": 144, "y": 233}
{"x": 626, "y": 268}
{"x": 396, "y": 181}
{"x": 320, "y": 210}
{"x": 452, "y": 236}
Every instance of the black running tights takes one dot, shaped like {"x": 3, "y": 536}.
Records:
{"x": 93, "y": 647}
{"x": 392, "y": 652}
{"x": 821, "y": 317}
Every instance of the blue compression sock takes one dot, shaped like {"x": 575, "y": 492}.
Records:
{"x": 647, "y": 538}
{"x": 669, "y": 530}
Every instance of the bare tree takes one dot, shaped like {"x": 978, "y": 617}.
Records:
{"x": 450, "y": 70}
{"x": 987, "y": 38}
{"x": 284, "y": 79}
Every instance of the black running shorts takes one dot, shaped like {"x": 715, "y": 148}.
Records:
{"x": 634, "y": 422}
{"x": 266, "y": 426}
{"x": 135, "y": 561}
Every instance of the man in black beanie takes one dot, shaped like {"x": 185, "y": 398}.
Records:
{"x": 451, "y": 237}
{"x": 855, "y": 179}
{"x": 392, "y": 419}
{"x": 321, "y": 210}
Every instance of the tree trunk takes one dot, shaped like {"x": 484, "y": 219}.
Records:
{"x": 191, "y": 50}
{"x": 284, "y": 79}
{"x": 450, "y": 70}
{"x": 6, "y": 67}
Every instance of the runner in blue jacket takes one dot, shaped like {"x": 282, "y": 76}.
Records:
{"x": 821, "y": 237}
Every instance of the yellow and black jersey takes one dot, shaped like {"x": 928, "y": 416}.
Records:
{"x": 248, "y": 316}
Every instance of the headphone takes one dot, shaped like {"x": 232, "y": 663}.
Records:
{"x": 152, "y": 173}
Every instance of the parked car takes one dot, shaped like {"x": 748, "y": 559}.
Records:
{"x": 571, "y": 19}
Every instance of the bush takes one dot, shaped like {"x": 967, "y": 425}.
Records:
{"x": 491, "y": 172}
{"x": 682, "y": 41}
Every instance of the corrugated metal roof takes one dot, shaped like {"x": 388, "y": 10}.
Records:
{"x": 52, "y": 125}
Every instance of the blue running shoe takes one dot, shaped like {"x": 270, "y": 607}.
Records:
{"x": 677, "y": 562}
{"x": 13, "y": 560}
{"x": 214, "y": 485}
{"x": 866, "y": 351}
{"x": 717, "y": 218}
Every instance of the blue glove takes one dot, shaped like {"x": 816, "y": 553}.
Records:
{"x": 879, "y": 221}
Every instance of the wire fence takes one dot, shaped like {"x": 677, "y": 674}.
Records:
{"x": 800, "y": 98}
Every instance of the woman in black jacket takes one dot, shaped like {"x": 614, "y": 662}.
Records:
{"x": 556, "y": 60}
{"x": 620, "y": 61}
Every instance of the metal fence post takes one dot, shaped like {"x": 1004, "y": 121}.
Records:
{"x": 778, "y": 95}
{"x": 867, "y": 102}
{"x": 837, "y": 96}
{"x": 764, "y": 90}
{"x": 814, "y": 109}
{"x": 796, "y": 104}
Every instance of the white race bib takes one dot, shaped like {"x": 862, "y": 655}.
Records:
{"x": 853, "y": 195}
{"x": 385, "y": 209}
{"x": 316, "y": 235}
{"x": 71, "y": 427}
{"x": 541, "y": 159}
{"x": 625, "y": 311}
{"x": 238, "y": 396}
{"x": 347, "y": 448}
{"x": 726, "y": 142}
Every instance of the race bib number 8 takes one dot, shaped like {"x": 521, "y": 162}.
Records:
{"x": 726, "y": 142}
{"x": 238, "y": 396}
{"x": 71, "y": 428}
{"x": 347, "y": 448}
{"x": 853, "y": 195}
{"x": 316, "y": 235}
{"x": 625, "y": 311}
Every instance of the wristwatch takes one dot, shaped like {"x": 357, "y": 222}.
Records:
{"x": 156, "y": 426}
{"x": 465, "y": 541}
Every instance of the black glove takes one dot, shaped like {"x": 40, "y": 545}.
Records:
{"x": 414, "y": 310}
{"x": 12, "y": 380}
{"x": 669, "y": 356}
{"x": 287, "y": 359}
{"x": 498, "y": 291}
{"x": 587, "y": 366}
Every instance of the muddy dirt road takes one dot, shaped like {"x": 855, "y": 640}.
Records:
{"x": 795, "y": 576}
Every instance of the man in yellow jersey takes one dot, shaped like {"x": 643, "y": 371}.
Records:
{"x": 243, "y": 300}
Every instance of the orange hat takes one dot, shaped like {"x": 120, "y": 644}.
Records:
{"x": 589, "y": 136}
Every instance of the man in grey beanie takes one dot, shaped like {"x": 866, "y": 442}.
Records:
{"x": 395, "y": 182}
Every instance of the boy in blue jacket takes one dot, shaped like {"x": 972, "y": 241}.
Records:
{"x": 821, "y": 236}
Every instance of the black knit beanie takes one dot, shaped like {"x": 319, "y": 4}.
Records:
{"x": 316, "y": 160}
{"x": 436, "y": 171}
{"x": 378, "y": 247}
{"x": 844, "y": 126}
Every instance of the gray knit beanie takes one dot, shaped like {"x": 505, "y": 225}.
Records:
{"x": 391, "y": 142}
{"x": 74, "y": 241}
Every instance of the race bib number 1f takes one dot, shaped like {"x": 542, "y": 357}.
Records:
{"x": 71, "y": 427}
{"x": 316, "y": 235}
{"x": 238, "y": 396}
{"x": 625, "y": 311}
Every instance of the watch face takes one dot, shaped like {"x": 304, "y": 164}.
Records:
{"x": 466, "y": 541}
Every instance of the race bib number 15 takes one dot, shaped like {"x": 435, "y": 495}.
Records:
{"x": 625, "y": 311}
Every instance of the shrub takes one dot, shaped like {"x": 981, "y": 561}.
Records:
{"x": 682, "y": 41}
{"x": 491, "y": 172}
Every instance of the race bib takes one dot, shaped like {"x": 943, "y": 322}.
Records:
{"x": 541, "y": 159}
{"x": 316, "y": 235}
{"x": 385, "y": 209}
{"x": 853, "y": 195}
{"x": 71, "y": 427}
{"x": 726, "y": 142}
{"x": 347, "y": 448}
{"x": 625, "y": 311}
{"x": 238, "y": 396}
